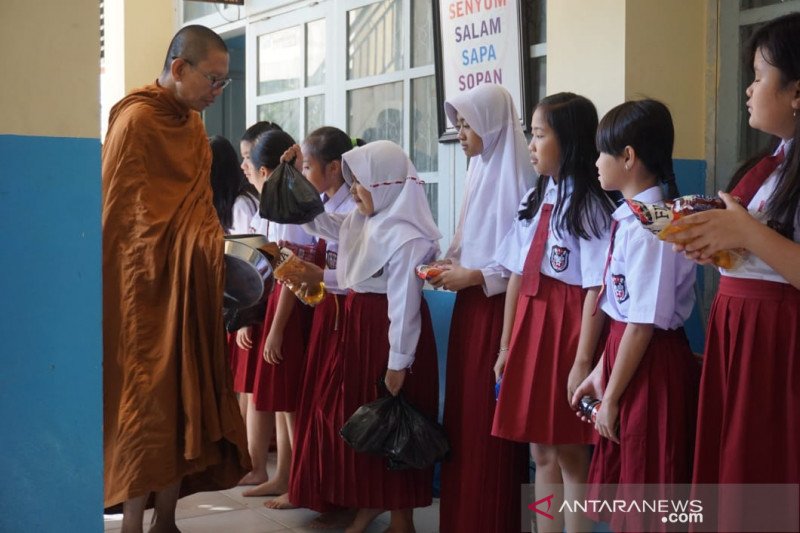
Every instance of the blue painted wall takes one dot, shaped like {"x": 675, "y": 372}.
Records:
{"x": 51, "y": 446}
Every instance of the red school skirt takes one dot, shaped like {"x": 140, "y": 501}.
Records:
{"x": 748, "y": 424}
{"x": 480, "y": 489}
{"x": 656, "y": 421}
{"x": 361, "y": 480}
{"x": 533, "y": 404}
{"x": 277, "y": 387}
{"x": 322, "y": 367}
{"x": 244, "y": 362}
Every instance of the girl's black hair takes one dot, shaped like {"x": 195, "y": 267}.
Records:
{"x": 262, "y": 126}
{"x": 269, "y": 147}
{"x": 779, "y": 43}
{"x": 327, "y": 144}
{"x": 646, "y": 126}
{"x": 228, "y": 182}
{"x": 573, "y": 119}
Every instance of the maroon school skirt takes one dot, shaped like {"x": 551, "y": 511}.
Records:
{"x": 244, "y": 362}
{"x": 533, "y": 404}
{"x": 481, "y": 480}
{"x": 277, "y": 387}
{"x": 361, "y": 480}
{"x": 322, "y": 365}
{"x": 657, "y": 415}
{"x": 748, "y": 424}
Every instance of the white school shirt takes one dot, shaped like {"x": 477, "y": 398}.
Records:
{"x": 646, "y": 282}
{"x": 244, "y": 208}
{"x": 398, "y": 281}
{"x": 278, "y": 233}
{"x": 342, "y": 203}
{"x": 567, "y": 258}
{"x": 754, "y": 267}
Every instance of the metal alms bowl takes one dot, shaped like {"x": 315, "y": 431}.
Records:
{"x": 248, "y": 274}
{"x": 253, "y": 240}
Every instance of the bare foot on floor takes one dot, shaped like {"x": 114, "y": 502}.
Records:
{"x": 333, "y": 519}
{"x": 363, "y": 519}
{"x": 273, "y": 487}
{"x": 281, "y": 502}
{"x": 254, "y": 478}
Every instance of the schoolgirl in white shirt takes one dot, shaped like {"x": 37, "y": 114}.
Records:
{"x": 555, "y": 253}
{"x": 387, "y": 326}
{"x": 646, "y": 377}
{"x": 748, "y": 427}
{"x": 499, "y": 173}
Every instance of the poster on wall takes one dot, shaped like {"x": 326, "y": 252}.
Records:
{"x": 479, "y": 41}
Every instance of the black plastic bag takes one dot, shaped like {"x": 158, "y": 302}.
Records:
{"x": 289, "y": 198}
{"x": 393, "y": 428}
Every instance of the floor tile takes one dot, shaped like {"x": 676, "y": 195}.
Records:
{"x": 241, "y": 521}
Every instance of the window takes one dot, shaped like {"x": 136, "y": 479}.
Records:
{"x": 365, "y": 66}
{"x": 290, "y": 77}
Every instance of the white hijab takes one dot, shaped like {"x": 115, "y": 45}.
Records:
{"x": 401, "y": 211}
{"x": 497, "y": 179}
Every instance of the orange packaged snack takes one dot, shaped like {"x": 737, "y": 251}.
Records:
{"x": 658, "y": 220}
{"x": 428, "y": 272}
{"x": 291, "y": 265}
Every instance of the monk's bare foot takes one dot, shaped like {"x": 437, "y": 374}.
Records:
{"x": 273, "y": 487}
{"x": 338, "y": 519}
{"x": 281, "y": 502}
{"x": 254, "y": 478}
{"x": 363, "y": 519}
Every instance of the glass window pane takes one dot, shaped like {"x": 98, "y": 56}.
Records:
{"x": 538, "y": 82}
{"x": 424, "y": 135}
{"x": 285, "y": 114}
{"x": 432, "y": 192}
{"x": 315, "y": 112}
{"x": 421, "y": 33}
{"x": 315, "y": 53}
{"x": 194, "y": 10}
{"x": 280, "y": 65}
{"x": 537, "y": 21}
{"x": 379, "y": 113}
{"x": 374, "y": 36}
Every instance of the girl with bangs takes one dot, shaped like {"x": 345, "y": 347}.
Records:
{"x": 555, "y": 253}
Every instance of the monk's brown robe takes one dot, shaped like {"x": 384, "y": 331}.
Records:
{"x": 169, "y": 409}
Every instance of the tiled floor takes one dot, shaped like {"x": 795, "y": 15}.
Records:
{"x": 230, "y": 512}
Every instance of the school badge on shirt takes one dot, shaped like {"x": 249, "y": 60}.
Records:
{"x": 559, "y": 258}
{"x": 620, "y": 288}
{"x": 330, "y": 259}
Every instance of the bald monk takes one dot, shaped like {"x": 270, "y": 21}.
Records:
{"x": 171, "y": 422}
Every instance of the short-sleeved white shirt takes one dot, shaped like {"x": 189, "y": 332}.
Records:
{"x": 646, "y": 282}
{"x": 567, "y": 258}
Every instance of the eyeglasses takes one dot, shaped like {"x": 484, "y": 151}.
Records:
{"x": 216, "y": 83}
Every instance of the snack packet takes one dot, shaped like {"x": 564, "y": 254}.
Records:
{"x": 290, "y": 264}
{"x": 658, "y": 220}
{"x": 430, "y": 271}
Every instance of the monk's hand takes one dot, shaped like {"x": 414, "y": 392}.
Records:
{"x": 711, "y": 231}
{"x": 272, "y": 347}
{"x": 293, "y": 154}
{"x": 457, "y": 277}
{"x": 394, "y": 381}
{"x": 244, "y": 337}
